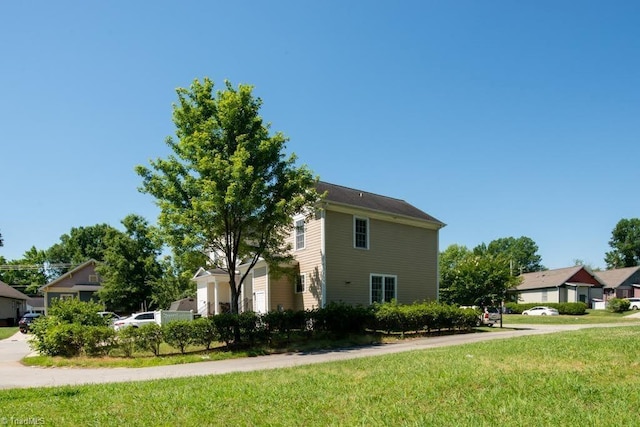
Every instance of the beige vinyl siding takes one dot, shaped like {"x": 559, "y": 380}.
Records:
{"x": 535, "y": 296}
{"x": 281, "y": 293}
{"x": 410, "y": 253}
{"x": 309, "y": 263}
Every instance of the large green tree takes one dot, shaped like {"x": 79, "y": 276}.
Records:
{"x": 228, "y": 187}
{"x": 81, "y": 244}
{"x": 130, "y": 266}
{"x": 522, "y": 253}
{"x": 474, "y": 277}
{"x": 29, "y": 272}
{"x": 1, "y": 240}
{"x": 625, "y": 244}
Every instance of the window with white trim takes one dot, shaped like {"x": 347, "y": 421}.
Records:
{"x": 299, "y": 233}
{"x": 383, "y": 287}
{"x": 360, "y": 232}
{"x": 545, "y": 295}
{"x": 301, "y": 284}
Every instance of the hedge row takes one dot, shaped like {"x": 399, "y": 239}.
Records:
{"x": 573, "y": 308}
{"x": 72, "y": 329}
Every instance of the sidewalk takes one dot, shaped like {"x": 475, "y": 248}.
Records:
{"x": 14, "y": 375}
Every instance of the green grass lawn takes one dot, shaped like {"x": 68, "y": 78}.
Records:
{"x": 7, "y": 332}
{"x": 586, "y": 377}
{"x": 592, "y": 316}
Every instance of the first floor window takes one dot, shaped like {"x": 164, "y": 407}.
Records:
{"x": 301, "y": 284}
{"x": 383, "y": 288}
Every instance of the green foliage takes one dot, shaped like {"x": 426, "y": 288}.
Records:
{"x": 521, "y": 253}
{"x": 570, "y": 308}
{"x": 340, "y": 319}
{"x": 126, "y": 340}
{"x": 618, "y": 305}
{"x": 225, "y": 324}
{"x": 625, "y": 244}
{"x": 204, "y": 332}
{"x": 72, "y": 327}
{"x": 98, "y": 340}
{"x": 476, "y": 277}
{"x": 426, "y": 316}
{"x": 130, "y": 266}
{"x": 149, "y": 337}
{"x": 228, "y": 185}
{"x": 72, "y": 310}
{"x": 80, "y": 245}
{"x": 178, "y": 334}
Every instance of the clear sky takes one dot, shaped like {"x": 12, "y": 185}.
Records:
{"x": 500, "y": 118}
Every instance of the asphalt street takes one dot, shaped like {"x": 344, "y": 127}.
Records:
{"x": 13, "y": 374}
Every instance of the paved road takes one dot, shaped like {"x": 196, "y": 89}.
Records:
{"x": 15, "y": 375}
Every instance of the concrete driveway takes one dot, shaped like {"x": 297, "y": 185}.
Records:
{"x": 15, "y": 375}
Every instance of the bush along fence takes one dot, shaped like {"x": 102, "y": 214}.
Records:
{"x": 572, "y": 308}
{"x": 72, "y": 329}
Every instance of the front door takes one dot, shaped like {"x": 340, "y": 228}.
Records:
{"x": 259, "y": 302}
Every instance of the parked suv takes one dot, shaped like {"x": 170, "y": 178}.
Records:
{"x": 634, "y": 303}
{"x": 26, "y": 321}
{"x": 135, "y": 320}
{"x": 488, "y": 315}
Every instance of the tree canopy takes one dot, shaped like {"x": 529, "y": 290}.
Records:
{"x": 228, "y": 188}
{"x": 130, "y": 266}
{"x": 521, "y": 253}
{"x": 474, "y": 277}
{"x": 625, "y": 244}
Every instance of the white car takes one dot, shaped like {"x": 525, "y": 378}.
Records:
{"x": 541, "y": 311}
{"x": 135, "y": 320}
{"x": 634, "y": 303}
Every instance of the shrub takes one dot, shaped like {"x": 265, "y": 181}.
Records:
{"x": 126, "y": 340}
{"x": 204, "y": 332}
{"x": 572, "y": 308}
{"x": 178, "y": 334}
{"x": 72, "y": 310}
{"x": 149, "y": 337}
{"x": 225, "y": 324}
{"x": 98, "y": 340}
{"x": 618, "y": 305}
{"x": 341, "y": 319}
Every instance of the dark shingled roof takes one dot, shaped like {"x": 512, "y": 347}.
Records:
{"x": 349, "y": 196}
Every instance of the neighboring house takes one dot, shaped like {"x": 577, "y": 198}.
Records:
{"x": 184, "y": 304}
{"x": 35, "y": 305}
{"x": 82, "y": 282}
{"x": 356, "y": 247}
{"x": 12, "y": 305}
{"x": 621, "y": 282}
{"x": 572, "y": 284}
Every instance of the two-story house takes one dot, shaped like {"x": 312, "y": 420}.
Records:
{"x": 357, "y": 247}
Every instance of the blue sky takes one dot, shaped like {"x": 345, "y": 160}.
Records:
{"x": 499, "y": 118}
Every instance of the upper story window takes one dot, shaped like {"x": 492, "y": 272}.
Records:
{"x": 361, "y": 233}
{"x": 299, "y": 233}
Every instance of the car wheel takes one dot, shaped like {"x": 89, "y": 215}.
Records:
{"x": 635, "y": 307}
{"x": 543, "y": 314}
{"x": 525, "y": 314}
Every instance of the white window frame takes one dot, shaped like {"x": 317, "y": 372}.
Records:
{"x": 301, "y": 280}
{"x": 355, "y": 232}
{"x": 545, "y": 295}
{"x": 383, "y": 276}
{"x": 296, "y": 234}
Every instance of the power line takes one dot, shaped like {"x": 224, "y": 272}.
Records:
{"x": 15, "y": 267}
